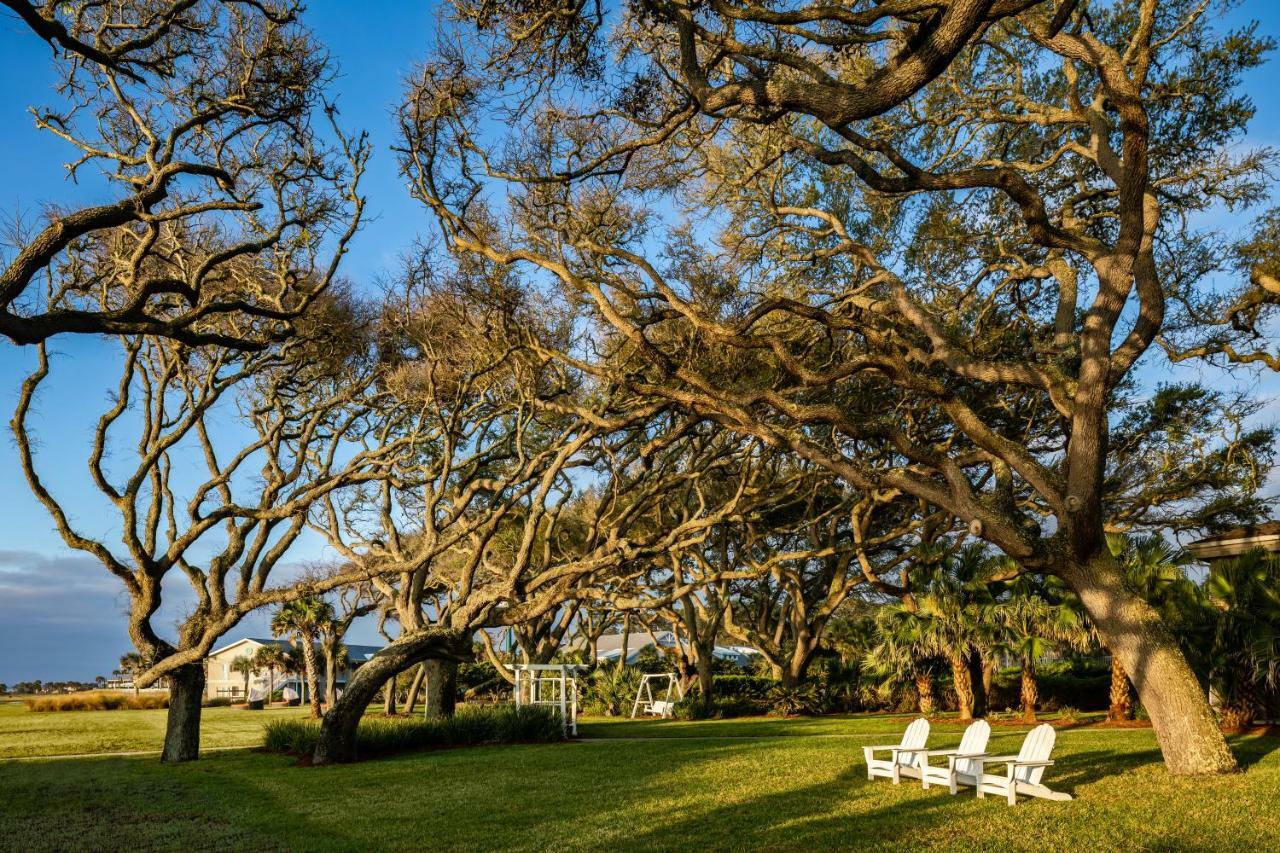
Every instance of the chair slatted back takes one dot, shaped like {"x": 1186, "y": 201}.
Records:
{"x": 915, "y": 737}
{"x": 974, "y": 742}
{"x": 1037, "y": 746}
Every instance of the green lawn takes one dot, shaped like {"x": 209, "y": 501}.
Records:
{"x": 759, "y": 784}
{"x": 23, "y": 733}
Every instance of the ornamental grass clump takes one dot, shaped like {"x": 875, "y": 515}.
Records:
{"x": 98, "y": 700}
{"x": 470, "y": 726}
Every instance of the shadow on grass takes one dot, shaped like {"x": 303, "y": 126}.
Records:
{"x": 785, "y": 793}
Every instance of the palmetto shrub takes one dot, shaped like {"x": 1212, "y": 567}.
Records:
{"x": 470, "y": 726}
{"x": 804, "y": 698}
{"x": 610, "y": 690}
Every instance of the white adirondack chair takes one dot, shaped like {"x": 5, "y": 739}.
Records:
{"x": 903, "y": 756}
{"x": 1022, "y": 771}
{"x": 963, "y": 770}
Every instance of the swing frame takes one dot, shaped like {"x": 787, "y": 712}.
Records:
{"x": 656, "y": 707}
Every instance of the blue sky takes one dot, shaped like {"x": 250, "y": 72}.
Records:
{"x": 60, "y": 613}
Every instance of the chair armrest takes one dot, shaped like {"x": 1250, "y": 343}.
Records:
{"x": 939, "y": 751}
{"x": 882, "y": 747}
{"x": 1016, "y": 763}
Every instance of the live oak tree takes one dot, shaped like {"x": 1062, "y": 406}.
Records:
{"x": 469, "y": 531}
{"x": 227, "y": 209}
{"x": 1005, "y": 242}
{"x": 210, "y": 461}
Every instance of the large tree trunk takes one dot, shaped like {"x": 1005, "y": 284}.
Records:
{"x": 1030, "y": 691}
{"x": 182, "y": 730}
{"x": 415, "y": 687}
{"x": 389, "y": 696}
{"x": 626, "y": 640}
{"x": 924, "y": 693}
{"x": 442, "y": 687}
{"x": 978, "y": 682}
{"x": 962, "y": 683}
{"x": 1189, "y": 737}
{"x": 706, "y": 677}
{"x": 337, "y": 742}
{"x": 1121, "y": 706}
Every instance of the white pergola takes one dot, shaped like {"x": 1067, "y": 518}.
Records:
{"x": 553, "y": 685}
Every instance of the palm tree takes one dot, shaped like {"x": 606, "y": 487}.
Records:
{"x": 953, "y": 606}
{"x": 901, "y": 654}
{"x": 1154, "y": 568}
{"x": 303, "y": 620}
{"x": 273, "y": 660}
{"x": 244, "y": 664}
{"x": 1034, "y": 618}
{"x": 1243, "y": 647}
{"x": 131, "y": 665}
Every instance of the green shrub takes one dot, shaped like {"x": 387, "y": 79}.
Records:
{"x": 470, "y": 726}
{"x": 610, "y": 691}
{"x": 693, "y": 708}
{"x": 219, "y": 702}
{"x": 804, "y": 698}
{"x": 750, "y": 688}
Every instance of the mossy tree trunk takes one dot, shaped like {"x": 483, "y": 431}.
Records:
{"x": 1130, "y": 627}
{"x": 442, "y": 687}
{"x": 182, "y": 729}
{"x": 337, "y": 742}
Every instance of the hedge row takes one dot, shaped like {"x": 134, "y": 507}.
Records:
{"x": 470, "y": 726}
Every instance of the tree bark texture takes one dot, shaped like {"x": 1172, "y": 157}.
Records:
{"x": 442, "y": 687}
{"x": 1030, "y": 692}
{"x": 182, "y": 729}
{"x": 1189, "y": 737}
{"x": 337, "y": 742}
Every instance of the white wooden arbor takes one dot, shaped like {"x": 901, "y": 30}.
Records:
{"x": 551, "y": 685}
{"x": 646, "y": 701}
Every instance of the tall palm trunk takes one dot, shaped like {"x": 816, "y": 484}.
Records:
{"x": 1241, "y": 709}
{"x": 1121, "y": 707}
{"x": 330, "y": 673}
{"x": 311, "y": 672}
{"x": 962, "y": 682}
{"x": 924, "y": 693}
{"x": 1030, "y": 691}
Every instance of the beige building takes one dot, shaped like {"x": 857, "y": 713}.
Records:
{"x": 1233, "y": 543}
{"x": 221, "y": 681}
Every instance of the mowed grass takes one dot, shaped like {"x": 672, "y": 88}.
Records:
{"x": 717, "y": 785}
{"x": 27, "y": 734}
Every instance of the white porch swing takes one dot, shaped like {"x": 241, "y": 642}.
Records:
{"x": 646, "y": 701}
